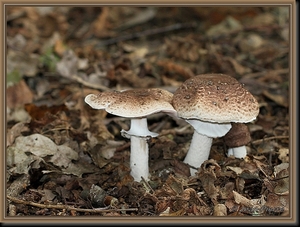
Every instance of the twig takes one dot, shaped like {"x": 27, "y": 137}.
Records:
{"x": 146, "y": 33}
{"x": 266, "y": 28}
{"x": 87, "y": 84}
{"x": 123, "y": 147}
{"x": 147, "y": 185}
{"x": 269, "y": 138}
{"x": 264, "y": 72}
{"x": 51, "y": 206}
{"x": 18, "y": 185}
{"x": 80, "y": 80}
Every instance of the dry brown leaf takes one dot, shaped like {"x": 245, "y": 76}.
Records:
{"x": 171, "y": 68}
{"x": 228, "y": 25}
{"x": 276, "y": 203}
{"x": 239, "y": 199}
{"x": 207, "y": 176}
{"x": 278, "y": 98}
{"x": 281, "y": 172}
{"x": 226, "y": 191}
{"x": 250, "y": 42}
{"x": 263, "y": 19}
{"x": 180, "y": 168}
{"x": 220, "y": 210}
{"x": 266, "y": 54}
{"x": 68, "y": 65}
{"x": 14, "y": 132}
{"x": 238, "y": 68}
{"x": 163, "y": 206}
{"x": 175, "y": 185}
{"x": 214, "y": 15}
{"x": 40, "y": 148}
{"x": 27, "y": 18}
{"x": 46, "y": 25}
{"x": 184, "y": 48}
{"x": 99, "y": 25}
{"x": 59, "y": 47}
{"x": 128, "y": 78}
{"x": 267, "y": 122}
{"x": 44, "y": 112}
{"x": 167, "y": 212}
{"x": 19, "y": 94}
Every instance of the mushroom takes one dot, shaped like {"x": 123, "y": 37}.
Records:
{"x": 210, "y": 103}
{"x": 135, "y": 104}
{"x": 236, "y": 139}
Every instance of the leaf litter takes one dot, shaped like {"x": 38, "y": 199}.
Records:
{"x": 66, "y": 159}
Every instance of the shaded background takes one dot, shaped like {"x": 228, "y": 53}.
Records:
{"x": 58, "y": 55}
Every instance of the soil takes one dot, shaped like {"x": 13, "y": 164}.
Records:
{"x": 66, "y": 159}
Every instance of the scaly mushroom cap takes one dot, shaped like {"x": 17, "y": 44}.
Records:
{"x": 215, "y": 98}
{"x": 132, "y": 103}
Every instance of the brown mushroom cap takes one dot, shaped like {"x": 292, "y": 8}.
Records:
{"x": 132, "y": 103}
{"x": 238, "y": 135}
{"x": 215, "y": 98}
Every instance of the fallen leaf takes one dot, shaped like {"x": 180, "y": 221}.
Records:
{"x": 283, "y": 154}
{"x": 250, "y": 42}
{"x": 67, "y": 66}
{"x": 229, "y": 24}
{"x": 175, "y": 185}
{"x": 14, "y": 132}
{"x": 280, "y": 167}
{"x": 167, "y": 212}
{"x": 239, "y": 199}
{"x": 238, "y": 68}
{"x": 207, "y": 176}
{"x": 18, "y": 161}
{"x": 276, "y": 203}
{"x": 281, "y": 173}
{"x": 41, "y": 147}
{"x": 263, "y": 19}
{"x": 220, "y": 210}
{"x": 43, "y": 112}
{"x": 19, "y": 94}
{"x": 278, "y": 98}
{"x": 26, "y": 64}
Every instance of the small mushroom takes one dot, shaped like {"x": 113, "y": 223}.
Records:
{"x": 210, "y": 103}
{"x": 236, "y": 139}
{"x": 135, "y": 104}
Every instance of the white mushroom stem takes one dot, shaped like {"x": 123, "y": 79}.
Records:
{"x": 238, "y": 152}
{"x": 198, "y": 152}
{"x": 139, "y": 150}
{"x": 139, "y": 127}
{"x": 202, "y": 140}
{"x": 139, "y": 157}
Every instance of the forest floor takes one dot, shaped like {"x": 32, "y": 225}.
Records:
{"x": 66, "y": 159}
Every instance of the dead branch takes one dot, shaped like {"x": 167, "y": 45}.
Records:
{"x": 146, "y": 33}
{"x": 269, "y": 138}
{"x": 91, "y": 85}
{"x": 52, "y": 206}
